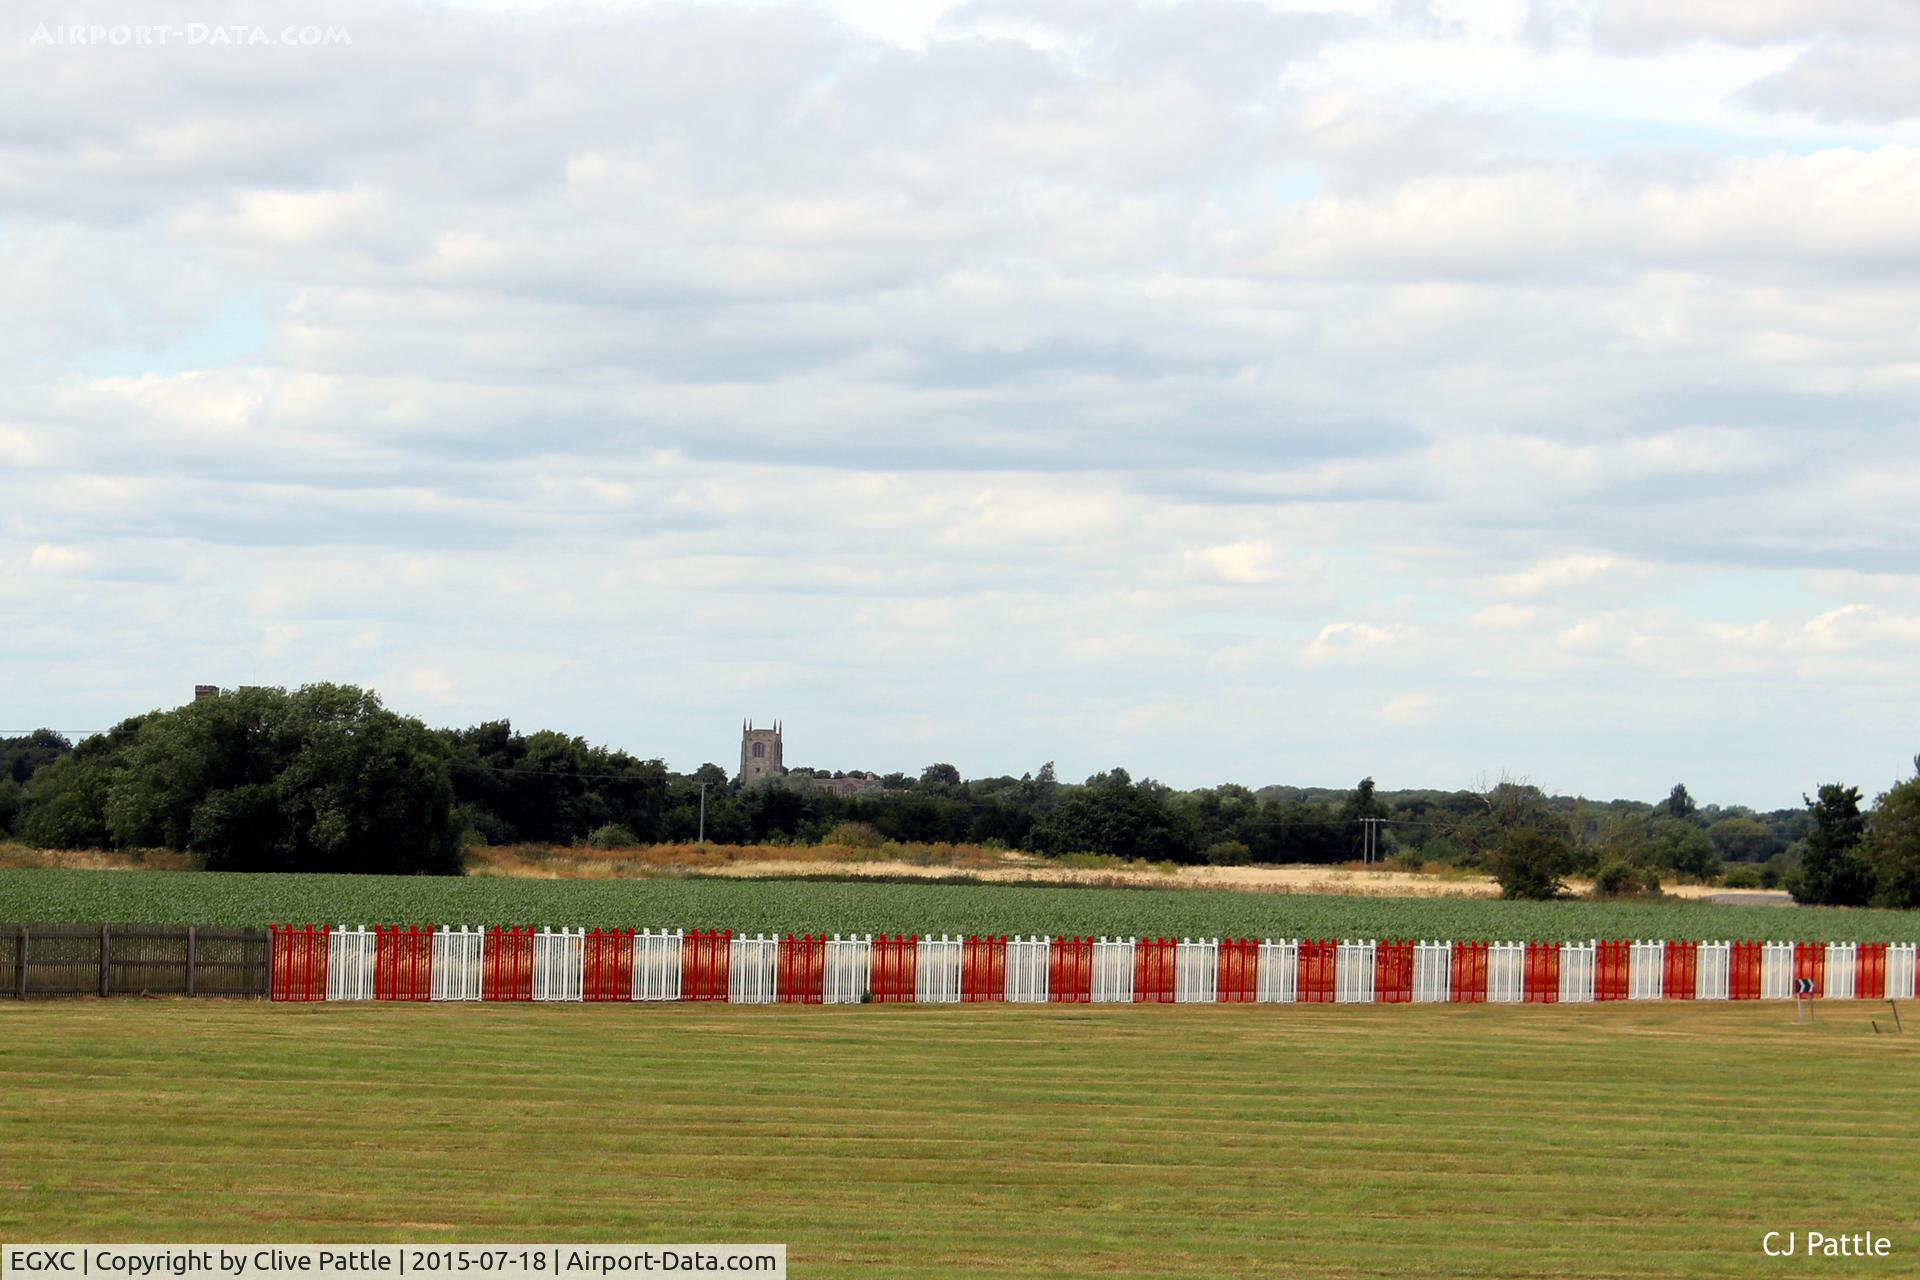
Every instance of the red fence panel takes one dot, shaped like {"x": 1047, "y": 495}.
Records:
{"x": 606, "y": 965}
{"x": 1238, "y": 976}
{"x": 896, "y": 968}
{"x": 1810, "y": 962}
{"x": 1870, "y": 971}
{"x": 983, "y": 970}
{"x": 1393, "y": 972}
{"x": 706, "y": 962}
{"x": 1681, "y": 981}
{"x": 1469, "y": 981}
{"x": 507, "y": 967}
{"x": 298, "y": 962}
{"x": 1318, "y": 962}
{"x": 1540, "y": 979}
{"x": 402, "y": 963}
{"x": 1743, "y": 971}
{"x": 1070, "y": 971}
{"x": 803, "y": 969}
{"x": 1153, "y": 970}
{"x": 1611, "y": 961}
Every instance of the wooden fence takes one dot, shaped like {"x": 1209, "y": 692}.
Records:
{"x": 131, "y": 960}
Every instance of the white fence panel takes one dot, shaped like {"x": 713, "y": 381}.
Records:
{"x": 457, "y": 955}
{"x": 1279, "y": 971}
{"x": 753, "y": 970}
{"x": 558, "y": 958}
{"x": 657, "y": 961}
{"x": 1432, "y": 972}
{"x": 1843, "y": 963}
{"x": 1196, "y": 971}
{"x": 1506, "y": 972}
{"x": 350, "y": 964}
{"x": 1113, "y": 971}
{"x": 936, "y": 971}
{"x": 1776, "y": 971}
{"x": 1715, "y": 968}
{"x": 1576, "y": 972}
{"x": 1353, "y": 973}
{"x": 1646, "y": 970}
{"x": 849, "y": 966}
{"x": 1027, "y": 970}
{"x": 1900, "y": 970}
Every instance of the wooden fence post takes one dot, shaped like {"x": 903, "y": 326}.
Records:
{"x": 20, "y": 969}
{"x": 106, "y": 953}
{"x": 191, "y": 957}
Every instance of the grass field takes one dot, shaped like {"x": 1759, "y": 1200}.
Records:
{"x": 900, "y": 1141}
{"x": 782, "y": 906}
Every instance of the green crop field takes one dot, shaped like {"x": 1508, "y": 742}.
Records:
{"x": 783, "y": 906}
{"x": 919, "y": 1142}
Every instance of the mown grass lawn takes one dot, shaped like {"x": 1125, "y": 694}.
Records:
{"x": 900, "y": 1141}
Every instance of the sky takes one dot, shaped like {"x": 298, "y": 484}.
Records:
{"x": 1229, "y": 390}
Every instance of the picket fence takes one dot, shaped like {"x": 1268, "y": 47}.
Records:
{"x": 322, "y": 963}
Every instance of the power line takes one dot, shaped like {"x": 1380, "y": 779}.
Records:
{"x": 65, "y": 733}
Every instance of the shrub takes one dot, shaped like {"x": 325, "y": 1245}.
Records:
{"x": 855, "y": 835}
{"x": 1228, "y": 853}
{"x": 64, "y": 821}
{"x": 1619, "y": 879}
{"x": 1531, "y": 864}
{"x": 1743, "y": 878}
{"x": 612, "y": 835}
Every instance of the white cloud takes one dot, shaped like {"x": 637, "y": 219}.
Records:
{"x": 1548, "y": 575}
{"x": 1504, "y": 617}
{"x": 1340, "y": 641}
{"x": 51, "y": 558}
{"x": 1409, "y": 709}
{"x": 983, "y": 375}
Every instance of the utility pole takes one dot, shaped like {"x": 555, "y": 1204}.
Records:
{"x": 703, "y": 812}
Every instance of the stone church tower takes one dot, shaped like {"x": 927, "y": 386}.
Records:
{"x": 759, "y": 753}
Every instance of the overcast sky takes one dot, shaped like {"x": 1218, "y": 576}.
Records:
{"x": 1230, "y": 390}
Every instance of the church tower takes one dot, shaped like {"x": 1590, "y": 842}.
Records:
{"x": 759, "y": 753}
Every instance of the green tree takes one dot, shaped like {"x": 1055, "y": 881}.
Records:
{"x": 1532, "y": 863}
{"x": 1679, "y": 804}
{"x": 1294, "y": 831}
{"x": 1113, "y": 815}
{"x": 352, "y": 786}
{"x": 1618, "y": 839}
{"x": 1362, "y": 803}
{"x": 939, "y": 775}
{"x": 322, "y": 779}
{"x": 1681, "y": 846}
{"x": 1216, "y": 813}
{"x": 1743, "y": 839}
{"x": 1893, "y": 844}
{"x": 64, "y": 804}
{"x": 1832, "y": 871}
{"x": 22, "y": 757}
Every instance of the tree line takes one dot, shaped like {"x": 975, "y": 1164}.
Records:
{"x": 325, "y": 778}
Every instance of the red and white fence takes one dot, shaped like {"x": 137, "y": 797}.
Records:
{"x": 393, "y": 963}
